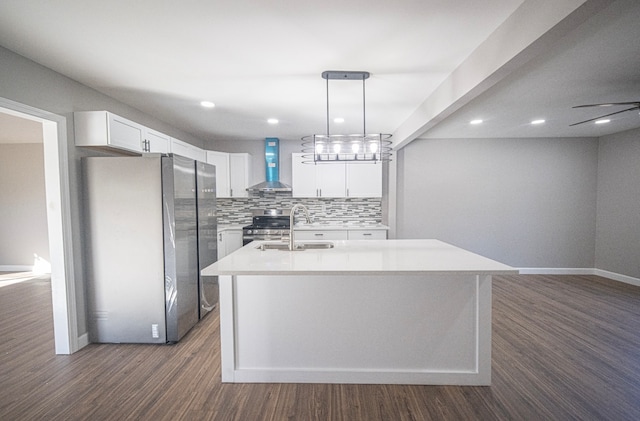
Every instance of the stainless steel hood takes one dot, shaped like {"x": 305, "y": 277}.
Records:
{"x": 272, "y": 169}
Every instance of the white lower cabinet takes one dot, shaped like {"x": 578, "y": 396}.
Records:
{"x": 367, "y": 234}
{"x": 229, "y": 241}
{"x": 351, "y": 234}
{"x": 321, "y": 235}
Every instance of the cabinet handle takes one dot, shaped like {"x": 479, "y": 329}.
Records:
{"x": 347, "y": 192}
{"x": 367, "y": 234}
{"x": 220, "y": 236}
{"x": 230, "y": 192}
{"x": 318, "y": 234}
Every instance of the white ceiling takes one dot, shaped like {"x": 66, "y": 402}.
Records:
{"x": 258, "y": 59}
{"x": 598, "y": 62}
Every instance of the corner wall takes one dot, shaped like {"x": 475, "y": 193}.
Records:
{"x": 618, "y": 204}
{"x": 529, "y": 203}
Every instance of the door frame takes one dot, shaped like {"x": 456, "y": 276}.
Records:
{"x": 56, "y": 171}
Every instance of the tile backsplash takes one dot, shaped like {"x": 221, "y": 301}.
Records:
{"x": 238, "y": 211}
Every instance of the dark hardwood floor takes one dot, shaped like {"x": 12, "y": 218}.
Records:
{"x": 564, "y": 348}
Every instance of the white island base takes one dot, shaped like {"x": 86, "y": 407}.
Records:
{"x": 404, "y": 325}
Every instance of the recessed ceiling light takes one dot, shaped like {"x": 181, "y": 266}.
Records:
{"x": 605, "y": 121}
{"x": 338, "y": 120}
{"x": 207, "y": 104}
{"x": 272, "y": 121}
{"x": 477, "y": 121}
{"x": 540, "y": 121}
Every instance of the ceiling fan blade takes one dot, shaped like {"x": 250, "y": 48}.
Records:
{"x": 606, "y": 115}
{"x": 608, "y": 104}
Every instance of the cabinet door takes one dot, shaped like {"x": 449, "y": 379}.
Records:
{"x": 124, "y": 134}
{"x": 233, "y": 240}
{"x": 221, "y": 162}
{"x": 187, "y": 150}
{"x": 331, "y": 179}
{"x": 222, "y": 251}
{"x": 228, "y": 242}
{"x": 239, "y": 174}
{"x": 303, "y": 177}
{"x": 364, "y": 180}
{"x": 155, "y": 142}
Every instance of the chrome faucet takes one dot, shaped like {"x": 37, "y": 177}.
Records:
{"x": 292, "y": 214}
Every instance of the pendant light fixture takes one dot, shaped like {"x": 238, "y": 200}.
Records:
{"x": 361, "y": 147}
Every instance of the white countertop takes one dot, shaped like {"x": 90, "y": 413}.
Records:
{"x": 316, "y": 226}
{"x": 358, "y": 257}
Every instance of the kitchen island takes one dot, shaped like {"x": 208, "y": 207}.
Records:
{"x": 376, "y": 311}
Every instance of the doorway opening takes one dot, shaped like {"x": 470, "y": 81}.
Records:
{"x": 58, "y": 216}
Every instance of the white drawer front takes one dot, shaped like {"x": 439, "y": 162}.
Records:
{"x": 367, "y": 235}
{"x": 321, "y": 235}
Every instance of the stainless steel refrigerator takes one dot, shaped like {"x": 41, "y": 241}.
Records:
{"x": 151, "y": 226}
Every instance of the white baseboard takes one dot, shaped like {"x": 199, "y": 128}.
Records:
{"x": 617, "y": 277}
{"x": 557, "y": 271}
{"x": 83, "y": 340}
{"x": 581, "y": 271}
{"x": 16, "y": 268}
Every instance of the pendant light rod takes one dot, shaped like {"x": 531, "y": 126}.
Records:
{"x": 360, "y": 147}
{"x": 364, "y": 111}
{"x": 327, "y": 107}
{"x": 347, "y": 75}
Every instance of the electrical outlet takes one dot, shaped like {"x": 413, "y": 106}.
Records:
{"x": 154, "y": 331}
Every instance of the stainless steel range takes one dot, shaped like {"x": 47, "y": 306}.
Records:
{"x": 268, "y": 224}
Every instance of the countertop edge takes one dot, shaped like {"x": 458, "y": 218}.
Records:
{"x": 362, "y": 272}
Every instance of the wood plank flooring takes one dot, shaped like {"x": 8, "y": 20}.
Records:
{"x": 564, "y": 348}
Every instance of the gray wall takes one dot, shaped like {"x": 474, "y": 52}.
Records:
{"x": 29, "y": 83}
{"x": 525, "y": 202}
{"x": 618, "y": 220}
{"x": 23, "y": 211}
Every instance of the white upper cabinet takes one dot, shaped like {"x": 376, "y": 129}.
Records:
{"x": 336, "y": 179}
{"x": 331, "y": 179}
{"x": 233, "y": 173}
{"x": 303, "y": 178}
{"x": 156, "y": 142}
{"x": 221, "y": 162}
{"x": 187, "y": 150}
{"x": 322, "y": 180}
{"x": 239, "y": 174}
{"x": 104, "y": 129}
{"x": 364, "y": 180}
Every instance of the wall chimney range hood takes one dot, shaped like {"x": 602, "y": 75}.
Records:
{"x": 272, "y": 169}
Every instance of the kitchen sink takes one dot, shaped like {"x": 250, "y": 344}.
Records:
{"x": 299, "y": 246}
